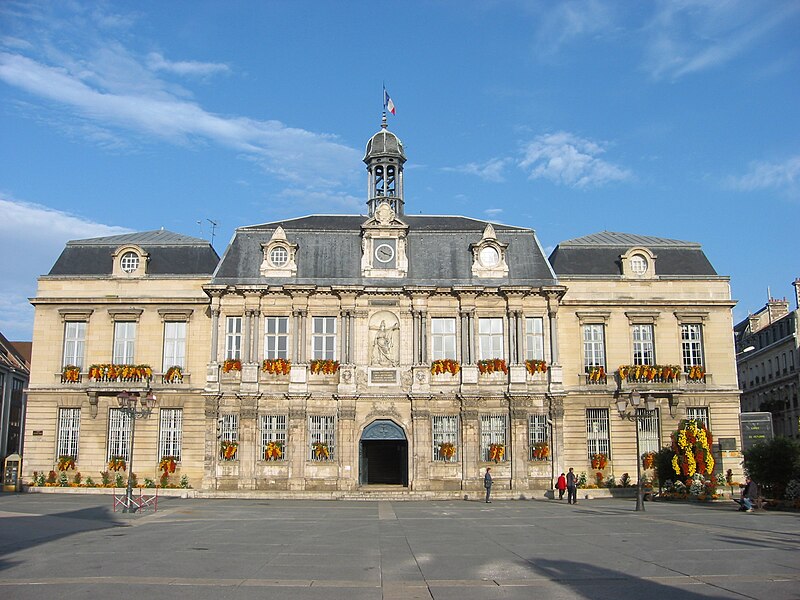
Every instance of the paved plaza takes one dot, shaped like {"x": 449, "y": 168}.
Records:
{"x": 74, "y": 546}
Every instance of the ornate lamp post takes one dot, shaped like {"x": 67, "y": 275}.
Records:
{"x": 135, "y": 406}
{"x": 623, "y": 404}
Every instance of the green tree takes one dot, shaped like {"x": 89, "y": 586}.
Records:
{"x": 772, "y": 464}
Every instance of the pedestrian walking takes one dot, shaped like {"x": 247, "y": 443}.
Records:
{"x": 487, "y": 483}
{"x": 561, "y": 486}
{"x": 572, "y": 487}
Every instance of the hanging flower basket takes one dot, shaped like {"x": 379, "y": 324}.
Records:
{"x": 599, "y": 461}
{"x": 112, "y": 372}
{"x": 228, "y": 449}
{"x": 117, "y": 463}
{"x": 447, "y": 450}
{"x": 597, "y": 374}
{"x": 273, "y": 451}
{"x": 536, "y": 366}
{"x": 66, "y": 461}
{"x": 541, "y": 451}
{"x": 692, "y": 443}
{"x": 696, "y": 373}
{"x": 174, "y": 374}
{"x": 71, "y": 374}
{"x": 492, "y": 365}
{"x": 497, "y": 452}
{"x": 324, "y": 366}
{"x": 320, "y": 451}
{"x": 276, "y": 366}
{"x": 649, "y": 373}
{"x": 445, "y": 365}
{"x": 232, "y": 364}
{"x": 168, "y": 464}
{"x": 648, "y": 459}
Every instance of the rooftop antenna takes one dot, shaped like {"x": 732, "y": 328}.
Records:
{"x": 213, "y": 229}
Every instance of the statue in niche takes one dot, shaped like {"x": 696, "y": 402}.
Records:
{"x": 384, "y": 350}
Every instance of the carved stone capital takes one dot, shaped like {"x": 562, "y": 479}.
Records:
{"x": 420, "y": 414}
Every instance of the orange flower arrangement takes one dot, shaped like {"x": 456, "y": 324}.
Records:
{"x": 541, "y": 451}
{"x": 696, "y": 373}
{"x": 174, "y": 374}
{"x": 273, "y": 451}
{"x": 597, "y": 374}
{"x": 276, "y": 366}
{"x": 325, "y": 366}
{"x": 228, "y": 449}
{"x": 447, "y": 450}
{"x": 231, "y": 364}
{"x": 71, "y": 374}
{"x": 536, "y": 366}
{"x": 599, "y": 461}
{"x": 167, "y": 464}
{"x": 492, "y": 365}
{"x": 657, "y": 373}
{"x": 112, "y": 372}
{"x": 497, "y": 452}
{"x": 117, "y": 463}
{"x": 66, "y": 461}
{"x": 445, "y": 365}
{"x": 648, "y": 459}
{"x": 321, "y": 451}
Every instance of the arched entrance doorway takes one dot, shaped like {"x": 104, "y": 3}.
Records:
{"x": 383, "y": 454}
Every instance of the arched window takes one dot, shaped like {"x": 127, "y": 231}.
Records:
{"x": 379, "y": 191}
{"x": 390, "y": 181}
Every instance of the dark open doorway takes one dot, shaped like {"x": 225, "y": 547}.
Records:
{"x": 383, "y": 454}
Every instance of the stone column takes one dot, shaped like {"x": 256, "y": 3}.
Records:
{"x": 346, "y": 443}
{"x": 297, "y": 432}
{"x": 248, "y": 433}
{"x": 210, "y": 451}
{"x": 470, "y": 445}
{"x": 421, "y": 444}
{"x": 519, "y": 442}
{"x": 557, "y": 435}
{"x": 214, "y": 335}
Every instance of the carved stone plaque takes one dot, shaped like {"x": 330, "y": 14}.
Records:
{"x": 383, "y": 376}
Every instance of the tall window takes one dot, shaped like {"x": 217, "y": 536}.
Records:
{"x": 443, "y": 339}
{"x": 648, "y": 428}
{"x": 276, "y": 337}
{"x": 594, "y": 352}
{"x": 170, "y": 433}
{"x": 273, "y": 429}
{"x": 233, "y": 338}
{"x": 322, "y": 430}
{"x": 643, "y": 350}
{"x": 119, "y": 431}
{"x": 229, "y": 432}
{"x": 74, "y": 343}
{"x": 124, "y": 342}
{"x": 534, "y": 338}
{"x": 445, "y": 431}
{"x": 698, "y": 413}
{"x": 69, "y": 426}
{"x": 174, "y": 344}
{"x": 597, "y": 432}
{"x": 537, "y": 433}
{"x": 493, "y": 431}
{"x": 323, "y": 338}
{"x": 490, "y": 338}
{"x": 691, "y": 345}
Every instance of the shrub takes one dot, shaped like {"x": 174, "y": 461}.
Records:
{"x": 134, "y": 480}
{"x": 793, "y": 490}
{"x": 773, "y": 464}
{"x": 51, "y": 477}
{"x": 610, "y": 482}
{"x": 625, "y": 480}
{"x": 63, "y": 481}
{"x": 118, "y": 480}
{"x": 149, "y": 483}
{"x": 582, "y": 479}
{"x": 184, "y": 481}
{"x": 90, "y": 482}
{"x": 77, "y": 478}
{"x": 105, "y": 477}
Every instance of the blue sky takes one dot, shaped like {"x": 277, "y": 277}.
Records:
{"x": 673, "y": 119}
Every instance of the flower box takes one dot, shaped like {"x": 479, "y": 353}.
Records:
{"x": 447, "y": 451}
{"x": 492, "y": 365}
{"x": 536, "y": 366}
{"x": 71, "y": 374}
{"x": 324, "y": 366}
{"x": 497, "y": 452}
{"x": 596, "y": 375}
{"x": 696, "y": 374}
{"x": 540, "y": 451}
{"x": 649, "y": 373}
{"x": 445, "y": 365}
{"x": 231, "y": 364}
{"x": 174, "y": 374}
{"x": 127, "y": 373}
{"x": 65, "y": 462}
{"x": 599, "y": 461}
{"x": 228, "y": 449}
{"x": 273, "y": 451}
{"x": 117, "y": 463}
{"x": 320, "y": 451}
{"x": 276, "y": 366}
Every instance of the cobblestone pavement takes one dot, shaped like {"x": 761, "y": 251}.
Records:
{"x": 76, "y": 547}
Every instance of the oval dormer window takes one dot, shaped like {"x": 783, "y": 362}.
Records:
{"x": 638, "y": 264}
{"x": 279, "y": 256}
{"x": 129, "y": 262}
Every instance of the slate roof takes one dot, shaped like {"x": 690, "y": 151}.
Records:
{"x": 598, "y": 254}
{"x": 439, "y": 254}
{"x": 170, "y": 254}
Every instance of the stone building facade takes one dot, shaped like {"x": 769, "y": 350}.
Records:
{"x": 330, "y": 353}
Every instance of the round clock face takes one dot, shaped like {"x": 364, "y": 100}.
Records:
{"x": 489, "y": 257}
{"x": 384, "y": 253}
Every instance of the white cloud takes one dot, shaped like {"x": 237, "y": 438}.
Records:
{"x": 783, "y": 177}
{"x": 567, "y": 159}
{"x": 157, "y": 62}
{"x": 491, "y": 170}
{"x": 31, "y": 238}
{"x": 562, "y": 22}
{"x": 493, "y": 212}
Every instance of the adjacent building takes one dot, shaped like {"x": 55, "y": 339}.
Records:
{"x": 330, "y": 353}
{"x": 14, "y": 374}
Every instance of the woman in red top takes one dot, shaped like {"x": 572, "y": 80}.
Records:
{"x": 561, "y": 486}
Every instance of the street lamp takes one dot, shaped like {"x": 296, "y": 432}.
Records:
{"x": 623, "y": 404}
{"x": 128, "y": 402}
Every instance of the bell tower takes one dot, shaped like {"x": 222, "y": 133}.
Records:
{"x": 384, "y": 159}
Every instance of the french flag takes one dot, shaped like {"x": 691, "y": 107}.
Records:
{"x": 387, "y": 102}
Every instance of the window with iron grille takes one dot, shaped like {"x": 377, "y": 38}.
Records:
{"x": 69, "y": 425}
{"x": 119, "y": 433}
{"x": 490, "y": 338}
{"x": 445, "y": 431}
{"x": 124, "y": 342}
{"x": 597, "y": 432}
{"x": 537, "y": 432}
{"x": 594, "y": 352}
{"x": 649, "y": 428}
{"x": 273, "y": 430}
{"x": 699, "y": 414}
{"x": 228, "y": 432}
{"x": 323, "y": 338}
{"x": 170, "y": 433}
{"x": 534, "y": 338}
{"x": 643, "y": 349}
{"x": 233, "y": 338}
{"x": 443, "y": 339}
{"x": 174, "y": 345}
{"x": 322, "y": 434}
{"x": 493, "y": 431}
{"x": 276, "y": 338}
{"x": 74, "y": 343}
{"x": 691, "y": 345}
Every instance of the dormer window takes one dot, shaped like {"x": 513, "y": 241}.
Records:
{"x": 638, "y": 264}
{"x": 129, "y": 262}
{"x": 279, "y": 256}
{"x": 489, "y": 255}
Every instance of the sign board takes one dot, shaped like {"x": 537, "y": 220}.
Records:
{"x": 383, "y": 376}
{"x": 727, "y": 443}
{"x": 756, "y": 428}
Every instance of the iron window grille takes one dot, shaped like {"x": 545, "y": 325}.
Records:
{"x": 69, "y": 425}
{"x": 273, "y": 430}
{"x": 445, "y": 431}
{"x": 322, "y": 430}
{"x": 494, "y": 429}
{"x": 597, "y": 432}
{"x": 170, "y": 433}
{"x": 119, "y": 433}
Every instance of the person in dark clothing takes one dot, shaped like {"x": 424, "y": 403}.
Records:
{"x": 487, "y": 483}
{"x": 572, "y": 487}
{"x": 561, "y": 486}
{"x": 749, "y": 495}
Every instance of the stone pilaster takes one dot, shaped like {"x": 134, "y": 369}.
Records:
{"x": 421, "y": 443}
{"x": 248, "y": 442}
{"x": 346, "y": 442}
{"x": 297, "y": 434}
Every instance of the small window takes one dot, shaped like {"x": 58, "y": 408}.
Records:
{"x": 129, "y": 262}
{"x": 445, "y": 438}
{"x": 638, "y": 264}
{"x": 279, "y": 256}
{"x": 170, "y": 433}
{"x": 493, "y": 433}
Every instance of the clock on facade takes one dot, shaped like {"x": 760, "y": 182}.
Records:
{"x": 384, "y": 253}
{"x": 489, "y": 257}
